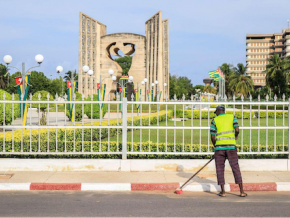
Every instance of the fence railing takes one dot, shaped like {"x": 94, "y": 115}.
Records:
{"x": 133, "y": 128}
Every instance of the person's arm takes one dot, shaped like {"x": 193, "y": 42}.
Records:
{"x": 237, "y": 131}
{"x": 212, "y": 139}
{"x": 236, "y": 126}
{"x": 213, "y": 131}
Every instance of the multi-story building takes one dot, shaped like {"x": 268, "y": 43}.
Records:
{"x": 260, "y": 47}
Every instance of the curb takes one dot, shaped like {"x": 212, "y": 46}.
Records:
{"x": 195, "y": 187}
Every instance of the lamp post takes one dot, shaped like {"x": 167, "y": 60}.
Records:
{"x": 164, "y": 87}
{"x": 8, "y": 59}
{"x": 59, "y": 70}
{"x": 86, "y": 69}
{"x": 122, "y": 84}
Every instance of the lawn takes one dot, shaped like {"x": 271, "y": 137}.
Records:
{"x": 267, "y": 137}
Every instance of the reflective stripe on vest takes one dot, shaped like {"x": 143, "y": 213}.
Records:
{"x": 221, "y": 133}
{"x": 225, "y": 130}
{"x": 227, "y": 138}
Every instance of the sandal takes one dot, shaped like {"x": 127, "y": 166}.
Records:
{"x": 221, "y": 194}
{"x": 243, "y": 195}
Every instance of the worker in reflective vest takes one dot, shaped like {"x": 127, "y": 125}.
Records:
{"x": 224, "y": 132}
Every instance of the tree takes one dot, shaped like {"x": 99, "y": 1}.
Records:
{"x": 38, "y": 82}
{"x": 209, "y": 89}
{"x": 228, "y": 71}
{"x": 125, "y": 63}
{"x": 68, "y": 75}
{"x": 57, "y": 86}
{"x": 3, "y": 76}
{"x": 240, "y": 83}
{"x": 172, "y": 85}
{"x": 198, "y": 88}
{"x": 276, "y": 75}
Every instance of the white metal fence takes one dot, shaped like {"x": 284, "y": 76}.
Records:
{"x": 169, "y": 127}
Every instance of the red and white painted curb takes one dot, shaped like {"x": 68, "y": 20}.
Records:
{"x": 195, "y": 187}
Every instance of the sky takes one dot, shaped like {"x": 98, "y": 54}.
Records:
{"x": 202, "y": 34}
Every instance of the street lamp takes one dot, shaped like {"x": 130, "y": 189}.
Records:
{"x": 8, "y": 59}
{"x": 164, "y": 88}
{"x": 59, "y": 69}
{"x": 122, "y": 84}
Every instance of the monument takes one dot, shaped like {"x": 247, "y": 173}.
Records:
{"x": 150, "y": 56}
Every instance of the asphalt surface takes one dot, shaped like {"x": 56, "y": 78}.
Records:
{"x": 150, "y": 204}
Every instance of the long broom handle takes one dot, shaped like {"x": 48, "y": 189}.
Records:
{"x": 196, "y": 173}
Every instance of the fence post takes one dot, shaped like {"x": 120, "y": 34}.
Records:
{"x": 124, "y": 129}
{"x": 288, "y": 128}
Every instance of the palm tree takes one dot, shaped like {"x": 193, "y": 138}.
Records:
{"x": 209, "y": 89}
{"x": 287, "y": 67}
{"x": 3, "y": 76}
{"x": 276, "y": 75}
{"x": 228, "y": 71}
{"x": 240, "y": 83}
{"x": 68, "y": 75}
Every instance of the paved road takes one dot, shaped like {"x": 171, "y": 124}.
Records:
{"x": 126, "y": 204}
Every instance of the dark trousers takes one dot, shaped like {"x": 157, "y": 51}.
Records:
{"x": 220, "y": 158}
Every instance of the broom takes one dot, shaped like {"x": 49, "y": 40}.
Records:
{"x": 179, "y": 190}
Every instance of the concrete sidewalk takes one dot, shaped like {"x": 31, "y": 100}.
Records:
{"x": 129, "y": 181}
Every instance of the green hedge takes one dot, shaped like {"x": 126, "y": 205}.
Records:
{"x": 238, "y": 114}
{"x": 95, "y": 108}
{"x": 8, "y": 109}
{"x": 43, "y": 97}
{"x": 146, "y": 147}
{"x": 79, "y": 134}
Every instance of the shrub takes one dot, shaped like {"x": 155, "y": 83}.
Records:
{"x": 8, "y": 109}
{"x": 78, "y": 108}
{"x": 43, "y": 94}
{"x": 95, "y": 108}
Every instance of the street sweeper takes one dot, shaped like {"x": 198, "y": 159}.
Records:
{"x": 224, "y": 131}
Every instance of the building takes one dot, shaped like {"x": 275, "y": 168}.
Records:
{"x": 150, "y": 55}
{"x": 260, "y": 47}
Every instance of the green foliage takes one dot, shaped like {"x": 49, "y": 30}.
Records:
{"x": 68, "y": 75}
{"x": 95, "y": 108}
{"x": 43, "y": 94}
{"x": 240, "y": 83}
{"x": 277, "y": 74}
{"x": 8, "y": 109}
{"x": 38, "y": 82}
{"x": 125, "y": 63}
{"x": 179, "y": 86}
{"x": 78, "y": 108}
{"x": 73, "y": 136}
{"x": 228, "y": 71}
{"x": 3, "y": 76}
{"x": 209, "y": 89}
{"x": 57, "y": 86}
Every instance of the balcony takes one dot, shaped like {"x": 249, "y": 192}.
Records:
{"x": 259, "y": 40}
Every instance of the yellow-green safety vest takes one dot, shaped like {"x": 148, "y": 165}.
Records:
{"x": 225, "y": 130}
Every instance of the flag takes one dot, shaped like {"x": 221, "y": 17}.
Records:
{"x": 71, "y": 91}
{"x": 211, "y": 74}
{"x": 68, "y": 84}
{"x": 23, "y": 106}
{"x": 101, "y": 97}
{"x": 137, "y": 98}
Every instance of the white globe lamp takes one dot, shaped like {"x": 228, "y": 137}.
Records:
{"x": 7, "y": 59}
{"x": 39, "y": 58}
{"x": 86, "y": 68}
{"x": 59, "y": 69}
